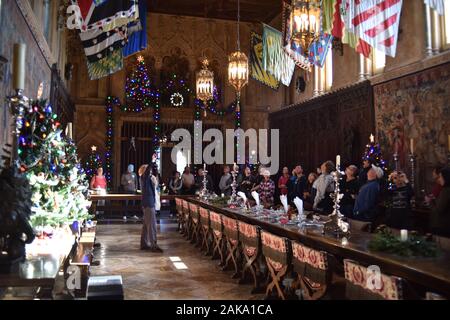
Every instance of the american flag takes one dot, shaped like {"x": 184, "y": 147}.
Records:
{"x": 374, "y": 21}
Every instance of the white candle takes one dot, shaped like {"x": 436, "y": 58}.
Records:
{"x": 204, "y": 166}
{"x": 19, "y": 66}
{"x": 403, "y": 235}
{"x": 411, "y": 142}
{"x": 338, "y": 161}
{"x": 372, "y": 138}
{"x": 223, "y": 195}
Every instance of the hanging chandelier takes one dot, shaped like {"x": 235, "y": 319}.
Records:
{"x": 205, "y": 82}
{"x": 238, "y": 65}
{"x": 305, "y": 22}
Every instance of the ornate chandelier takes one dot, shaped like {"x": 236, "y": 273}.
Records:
{"x": 205, "y": 82}
{"x": 305, "y": 22}
{"x": 238, "y": 65}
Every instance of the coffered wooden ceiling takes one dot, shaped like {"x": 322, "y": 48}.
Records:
{"x": 251, "y": 10}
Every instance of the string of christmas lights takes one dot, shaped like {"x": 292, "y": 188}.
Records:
{"x": 111, "y": 102}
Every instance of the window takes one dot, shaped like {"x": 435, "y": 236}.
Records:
{"x": 47, "y": 19}
{"x": 446, "y": 25}
{"x": 378, "y": 62}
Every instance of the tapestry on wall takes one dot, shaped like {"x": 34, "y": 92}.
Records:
{"x": 415, "y": 107}
{"x": 257, "y": 71}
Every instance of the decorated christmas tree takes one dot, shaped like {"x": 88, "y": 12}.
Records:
{"x": 374, "y": 155}
{"x": 50, "y": 162}
{"x": 92, "y": 163}
{"x": 138, "y": 88}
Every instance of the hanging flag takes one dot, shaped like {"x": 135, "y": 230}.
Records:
{"x": 275, "y": 60}
{"x": 334, "y": 25}
{"x": 319, "y": 49}
{"x": 292, "y": 48}
{"x": 257, "y": 71}
{"x": 437, "y": 5}
{"x": 137, "y": 39}
{"x": 106, "y": 66}
{"x": 97, "y": 44}
{"x": 374, "y": 21}
{"x": 106, "y": 14}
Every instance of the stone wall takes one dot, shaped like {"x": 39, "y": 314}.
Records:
{"x": 14, "y": 29}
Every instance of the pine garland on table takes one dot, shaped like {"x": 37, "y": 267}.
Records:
{"x": 416, "y": 246}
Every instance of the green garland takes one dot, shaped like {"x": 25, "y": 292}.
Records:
{"x": 415, "y": 246}
{"x": 219, "y": 201}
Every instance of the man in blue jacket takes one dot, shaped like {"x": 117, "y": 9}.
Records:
{"x": 367, "y": 201}
{"x": 149, "y": 230}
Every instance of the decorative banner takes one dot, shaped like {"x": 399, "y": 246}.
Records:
{"x": 294, "y": 50}
{"x": 374, "y": 21}
{"x": 257, "y": 71}
{"x": 106, "y": 14}
{"x": 137, "y": 39}
{"x": 275, "y": 60}
{"x": 106, "y": 66}
{"x": 319, "y": 49}
{"x": 98, "y": 44}
{"x": 333, "y": 24}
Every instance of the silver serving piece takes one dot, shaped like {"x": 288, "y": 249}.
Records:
{"x": 337, "y": 223}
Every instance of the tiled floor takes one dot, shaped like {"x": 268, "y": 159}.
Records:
{"x": 148, "y": 275}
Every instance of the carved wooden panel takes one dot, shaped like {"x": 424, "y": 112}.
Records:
{"x": 319, "y": 129}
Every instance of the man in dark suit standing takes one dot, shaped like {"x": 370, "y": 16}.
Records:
{"x": 149, "y": 230}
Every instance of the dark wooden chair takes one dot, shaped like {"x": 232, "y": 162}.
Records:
{"x": 365, "y": 284}
{"x": 276, "y": 251}
{"x": 218, "y": 236}
{"x": 205, "y": 230}
{"x": 313, "y": 272}
{"x": 186, "y": 224}
{"x": 357, "y": 225}
{"x": 231, "y": 232}
{"x": 195, "y": 223}
{"x": 250, "y": 240}
{"x": 179, "y": 211}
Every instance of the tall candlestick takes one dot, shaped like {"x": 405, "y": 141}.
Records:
{"x": 411, "y": 142}
{"x": 19, "y": 66}
{"x": 448, "y": 142}
{"x": 338, "y": 161}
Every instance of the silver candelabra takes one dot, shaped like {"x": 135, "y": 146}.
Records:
{"x": 233, "y": 187}
{"x": 19, "y": 105}
{"x": 204, "y": 192}
{"x": 338, "y": 224}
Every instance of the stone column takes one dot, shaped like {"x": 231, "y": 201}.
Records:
{"x": 362, "y": 68}
{"x": 436, "y": 31}
{"x": 428, "y": 32}
{"x": 316, "y": 81}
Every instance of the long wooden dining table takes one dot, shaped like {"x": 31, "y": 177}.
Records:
{"x": 426, "y": 274}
